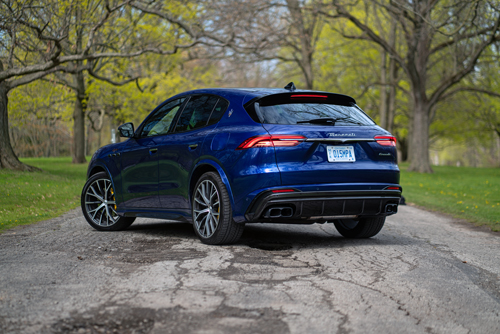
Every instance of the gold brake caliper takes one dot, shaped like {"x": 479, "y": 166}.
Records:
{"x": 113, "y": 194}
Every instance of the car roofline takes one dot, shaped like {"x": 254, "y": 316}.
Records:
{"x": 254, "y": 94}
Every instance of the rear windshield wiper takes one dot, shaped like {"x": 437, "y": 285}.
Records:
{"x": 326, "y": 120}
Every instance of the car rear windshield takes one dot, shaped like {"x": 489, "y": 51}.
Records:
{"x": 312, "y": 114}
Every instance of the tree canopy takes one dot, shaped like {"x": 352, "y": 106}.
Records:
{"x": 426, "y": 70}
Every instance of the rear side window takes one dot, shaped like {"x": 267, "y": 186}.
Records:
{"x": 196, "y": 113}
{"x": 218, "y": 111}
{"x": 312, "y": 114}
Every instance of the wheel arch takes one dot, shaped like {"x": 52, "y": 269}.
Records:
{"x": 203, "y": 167}
{"x": 95, "y": 170}
{"x": 99, "y": 167}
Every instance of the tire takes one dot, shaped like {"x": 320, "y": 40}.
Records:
{"x": 212, "y": 213}
{"x": 98, "y": 205}
{"x": 358, "y": 229}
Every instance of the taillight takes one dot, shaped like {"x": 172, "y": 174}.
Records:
{"x": 385, "y": 140}
{"x": 271, "y": 140}
{"x": 309, "y": 96}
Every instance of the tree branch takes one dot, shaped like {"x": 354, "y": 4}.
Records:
{"x": 78, "y": 57}
{"x": 470, "y": 89}
{"x": 447, "y": 83}
{"x": 35, "y": 76}
{"x": 114, "y": 83}
{"x": 372, "y": 35}
{"x": 459, "y": 39}
{"x": 109, "y": 11}
{"x": 188, "y": 29}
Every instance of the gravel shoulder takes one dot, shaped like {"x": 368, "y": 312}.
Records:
{"x": 424, "y": 273}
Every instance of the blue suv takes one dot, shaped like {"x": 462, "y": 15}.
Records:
{"x": 222, "y": 158}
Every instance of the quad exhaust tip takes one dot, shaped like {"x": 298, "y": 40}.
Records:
{"x": 391, "y": 208}
{"x": 287, "y": 212}
{"x": 279, "y": 212}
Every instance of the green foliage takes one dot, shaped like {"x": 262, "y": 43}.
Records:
{"x": 341, "y": 63}
{"x": 353, "y": 67}
{"x": 468, "y": 193}
{"x": 39, "y": 115}
{"x": 164, "y": 77}
{"x": 52, "y": 101}
{"x": 41, "y": 99}
{"x": 29, "y": 197}
{"x": 349, "y": 67}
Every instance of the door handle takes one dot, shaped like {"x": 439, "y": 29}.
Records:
{"x": 193, "y": 146}
{"x": 153, "y": 150}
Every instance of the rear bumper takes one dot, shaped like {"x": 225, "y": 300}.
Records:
{"x": 300, "y": 206}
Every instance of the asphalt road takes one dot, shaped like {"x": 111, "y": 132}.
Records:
{"x": 424, "y": 273}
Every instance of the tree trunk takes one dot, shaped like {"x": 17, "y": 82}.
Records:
{"x": 306, "y": 31}
{"x": 81, "y": 102}
{"x": 8, "y": 158}
{"x": 393, "y": 78}
{"x": 403, "y": 149}
{"x": 307, "y": 67}
{"x": 419, "y": 138}
{"x": 391, "y": 103}
{"x": 388, "y": 80}
{"x": 383, "y": 89}
{"x": 79, "y": 121}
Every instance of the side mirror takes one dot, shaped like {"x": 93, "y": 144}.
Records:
{"x": 126, "y": 130}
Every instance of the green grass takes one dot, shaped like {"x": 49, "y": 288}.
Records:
{"x": 464, "y": 192}
{"x": 31, "y": 197}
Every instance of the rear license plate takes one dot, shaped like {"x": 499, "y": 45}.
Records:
{"x": 340, "y": 154}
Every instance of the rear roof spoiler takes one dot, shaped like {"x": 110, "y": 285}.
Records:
{"x": 303, "y": 97}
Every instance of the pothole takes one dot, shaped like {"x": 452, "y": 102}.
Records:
{"x": 132, "y": 320}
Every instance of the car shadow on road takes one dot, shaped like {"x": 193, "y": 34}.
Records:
{"x": 275, "y": 236}
{"x": 267, "y": 236}
{"x": 163, "y": 228}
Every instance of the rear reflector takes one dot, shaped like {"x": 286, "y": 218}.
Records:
{"x": 271, "y": 140}
{"x": 283, "y": 191}
{"x": 393, "y": 188}
{"x": 385, "y": 140}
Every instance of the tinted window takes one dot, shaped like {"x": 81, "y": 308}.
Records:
{"x": 159, "y": 122}
{"x": 196, "y": 113}
{"x": 218, "y": 111}
{"x": 293, "y": 113}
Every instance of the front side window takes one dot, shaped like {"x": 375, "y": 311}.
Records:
{"x": 159, "y": 122}
{"x": 196, "y": 113}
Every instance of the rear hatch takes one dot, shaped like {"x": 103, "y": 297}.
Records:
{"x": 325, "y": 138}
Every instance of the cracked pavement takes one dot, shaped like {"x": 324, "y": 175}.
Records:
{"x": 423, "y": 273}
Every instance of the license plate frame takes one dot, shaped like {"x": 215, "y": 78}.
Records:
{"x": 343, "y": 153}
